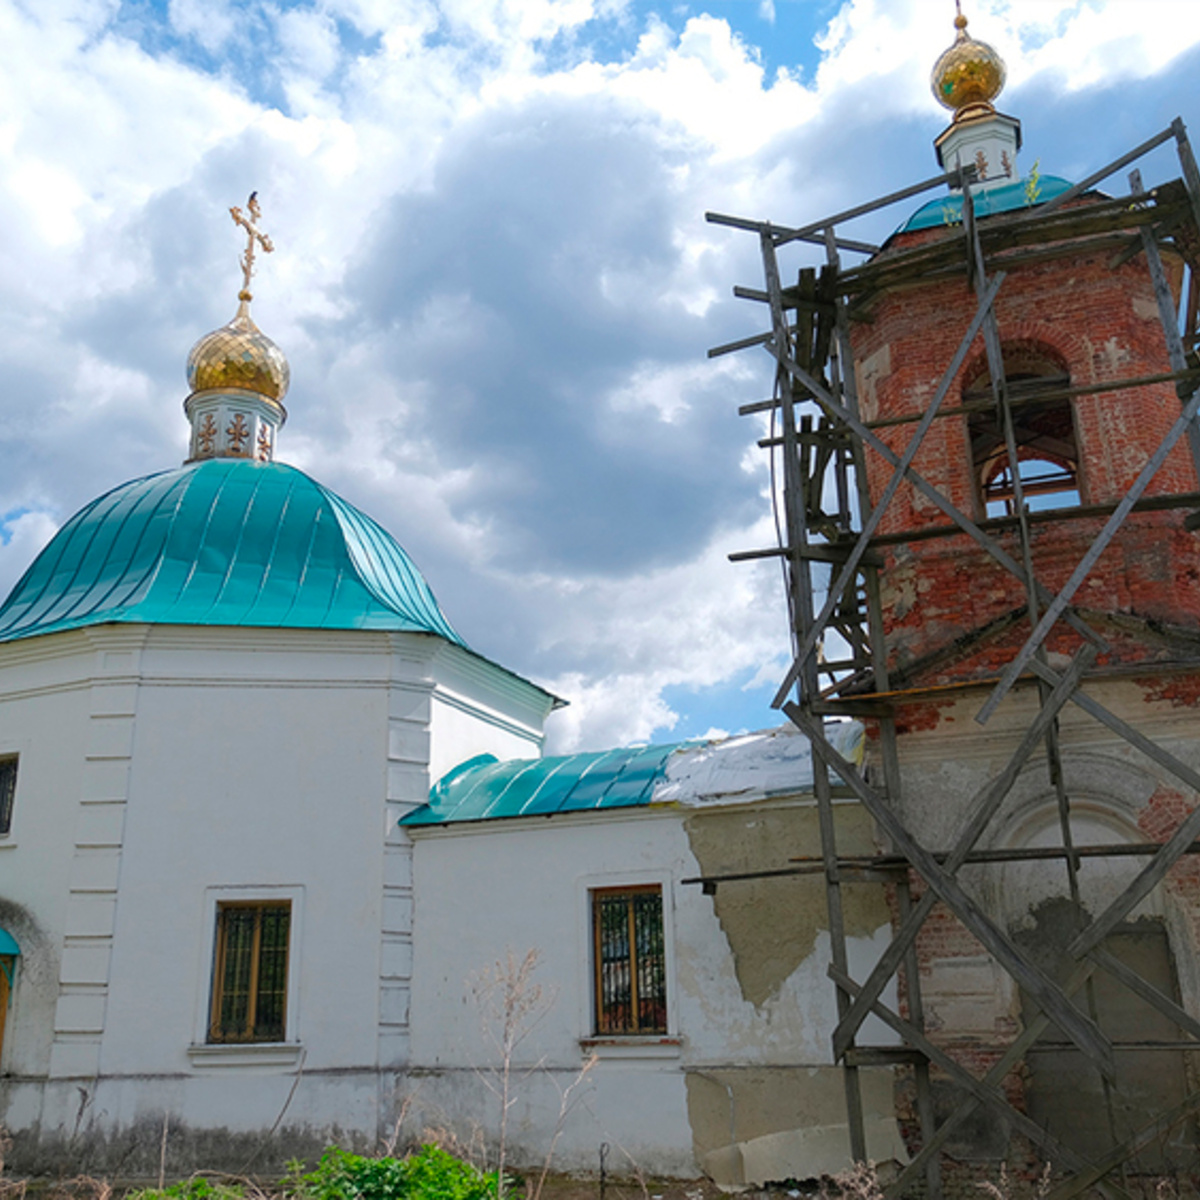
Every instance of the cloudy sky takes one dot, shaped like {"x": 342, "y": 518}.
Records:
{"x": 493, "y": 278}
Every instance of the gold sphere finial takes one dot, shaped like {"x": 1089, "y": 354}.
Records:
{"x": 239, "y": 355}
{"x": 969, "y": 75}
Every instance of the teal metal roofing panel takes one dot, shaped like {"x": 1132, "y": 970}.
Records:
{"x": 8, "y": 943}
{"x": 1005, "y": 197}
{"x": 483, "y": 789}
{"x": 223, "y": 542}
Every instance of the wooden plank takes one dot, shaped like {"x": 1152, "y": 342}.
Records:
{"x": 1015, "y": 398}
{"x": 1099, "y": 545}
{"x": 1168, "y": 317}
{"x": 1111, "y": 169}
{"x": 926, "y": 1114}
{"x": 790, "y": 299}
{"x": 994, "y": 1079}
{"x": 1150, "y": 1132}
{"x": 846, "y": 574}
{"x": 815, "y": 231}
{"x": 1187, "y": 161}
{"x": 941, "y": 880}
{"x": 1148, "y": 992}
{"x": 984, "y": 1095}
{"x": 1056, "y": 515}
{"x": 811, "y": 553}
{"x": 801, "y": 609}
{"x": 839, "y": 412}
{"x": 1088, "y": 230}
{"x": 741, "y": 344}
{"x": 758, "y": 226}
{"x": 1168, "y": 853}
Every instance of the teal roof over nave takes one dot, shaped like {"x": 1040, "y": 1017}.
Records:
{"x": 223, "y": 542}
{"x": 485, "y": 789}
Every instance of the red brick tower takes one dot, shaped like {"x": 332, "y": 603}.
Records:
{"x": 1012, "y": 608}
{"x": 1076, "y": 310}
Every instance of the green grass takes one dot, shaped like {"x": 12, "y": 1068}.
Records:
{"x": 428, "y": 1174}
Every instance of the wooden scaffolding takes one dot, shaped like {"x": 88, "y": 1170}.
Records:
{"x": 829, "y": 543}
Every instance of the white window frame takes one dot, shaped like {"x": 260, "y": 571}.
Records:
{"x": 202, "y": 1052}
{"x": 17, "y": 748}
{"x": 631, "y": 1045}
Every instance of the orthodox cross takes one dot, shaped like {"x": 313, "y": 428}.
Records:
{"x": 253, "y": 234}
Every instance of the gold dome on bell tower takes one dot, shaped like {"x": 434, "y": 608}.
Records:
{"x": 237, "y": 375}
{"x": 968, "y": 76}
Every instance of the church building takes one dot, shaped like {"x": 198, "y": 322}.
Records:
{"x": 276, "y": 845}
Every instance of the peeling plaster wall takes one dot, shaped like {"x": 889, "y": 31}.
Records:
{"x": 745, "y": 1020}
{"x": 767, "y": 951}
{"x": 754, "y": 1125}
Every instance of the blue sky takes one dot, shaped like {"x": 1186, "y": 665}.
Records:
{"x": 493, "y": 278}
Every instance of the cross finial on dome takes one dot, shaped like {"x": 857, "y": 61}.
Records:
{"x": 238, "y": 376}
{"x": 253, "y": 235}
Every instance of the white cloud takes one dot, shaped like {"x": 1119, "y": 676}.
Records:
{"x": 22, "y": 535}
{"x": 493, "y": 279}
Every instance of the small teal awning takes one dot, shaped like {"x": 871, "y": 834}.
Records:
{"x": 8, "y": 951}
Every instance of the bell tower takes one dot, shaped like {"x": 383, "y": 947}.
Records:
{"x": 986, "y": 447}
{"x": 1054, "y": 411}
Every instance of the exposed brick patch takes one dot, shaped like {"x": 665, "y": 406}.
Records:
{"x": 1180, "y": 691}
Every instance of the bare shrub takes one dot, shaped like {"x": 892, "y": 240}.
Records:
{"x": 511, "y": 1005}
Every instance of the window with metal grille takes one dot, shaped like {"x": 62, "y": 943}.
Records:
{"x": 629, "y": 960}
{"x": 8, "y": 793}
{"x": 249, "y": 996}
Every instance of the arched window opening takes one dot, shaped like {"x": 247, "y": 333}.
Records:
{"x": 9, "y": 952}
{"x": 1043, "y": 429}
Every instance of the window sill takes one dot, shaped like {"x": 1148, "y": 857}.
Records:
{"x": 254, "y": 1055}
{"x": 633, "y": 1046}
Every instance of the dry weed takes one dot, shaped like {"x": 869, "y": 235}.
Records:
{"x": 10, "y": 1189}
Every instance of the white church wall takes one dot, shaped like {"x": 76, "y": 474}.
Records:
{"x": 44, "y": 716}
{"x": 167, "y": 770}
{"x": 485, "y": 889}
{"x": 481, "y": 709}
{"x": 259, "y": 774}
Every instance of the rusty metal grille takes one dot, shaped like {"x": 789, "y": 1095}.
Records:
{"x": 8, "y": 792}
{"x": 631, "y": 976}
{"x": 250, "y": 973}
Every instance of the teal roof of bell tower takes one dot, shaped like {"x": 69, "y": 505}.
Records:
{"x": 223, "y": 542}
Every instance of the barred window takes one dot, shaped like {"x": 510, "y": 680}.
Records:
{"x": 629, "y": 960}
{"x": 250, "y": 970}
{"x": 8, "y": 792}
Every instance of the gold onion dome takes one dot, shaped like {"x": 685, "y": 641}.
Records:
{"x": 968, "y": 76}
{"x": 239, "y": 355}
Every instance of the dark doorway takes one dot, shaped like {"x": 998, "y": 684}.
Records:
{"x": 1065, "y": 1093}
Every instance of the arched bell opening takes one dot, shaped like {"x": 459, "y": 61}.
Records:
{"x": 1043, "y": 425}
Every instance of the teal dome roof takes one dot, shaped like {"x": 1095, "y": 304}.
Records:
{"x": 1005, "y": 197}
{"x": 223, "y": 542}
